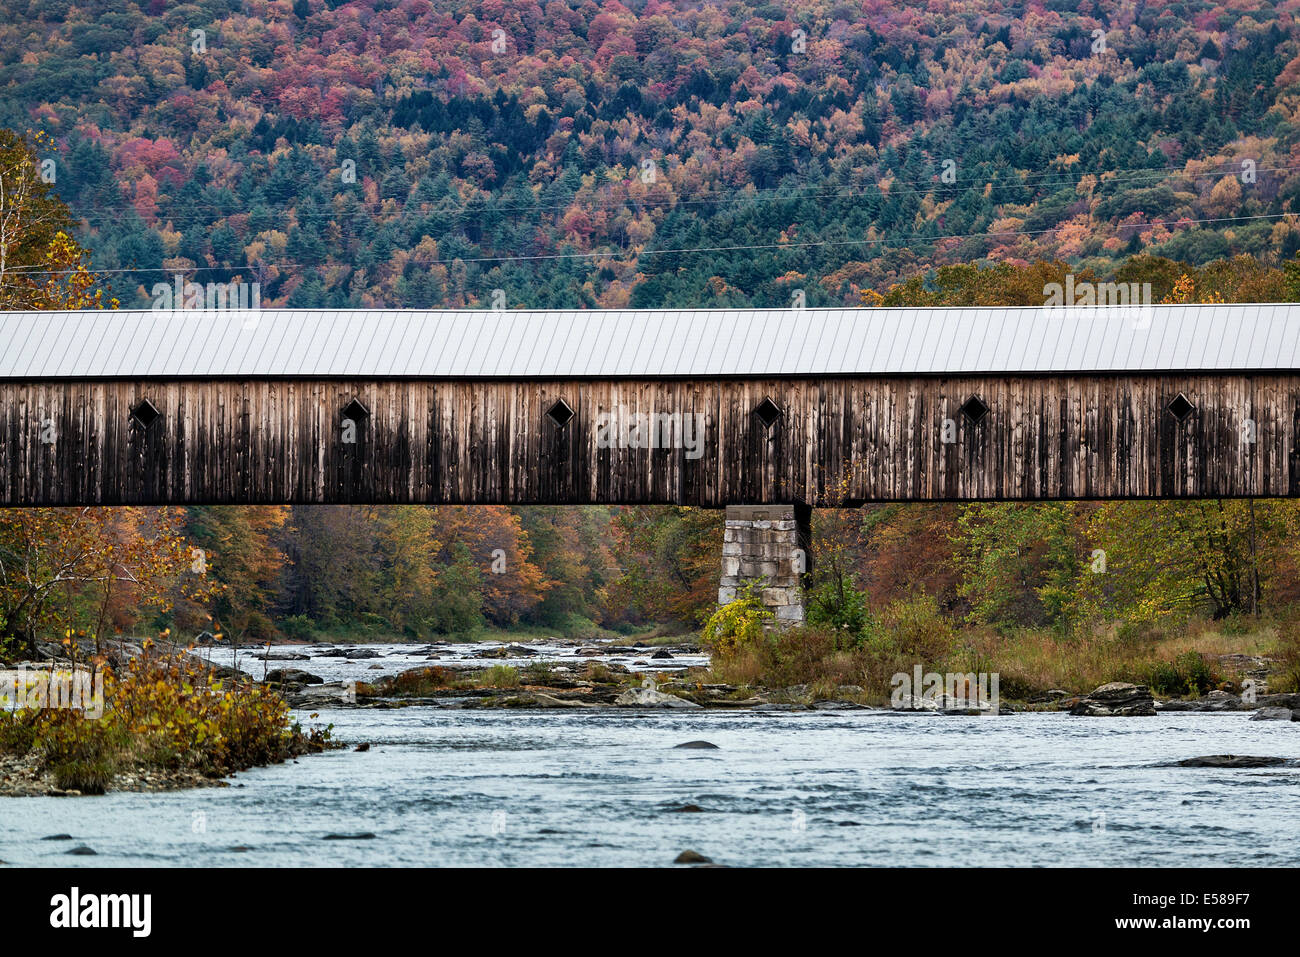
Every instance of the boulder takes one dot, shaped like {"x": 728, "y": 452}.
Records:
{"x": 698, "y": 745}
{"x": 915, "y": 703}
{"x": 661, "y": 654}
{"x": 357, "y": 654}
{"x": 1231, "y": 761}
{"x": 1046, "y": 697}
{"x": 1220, "y": 701}
{"x": 224, "y": 671}
{"x": 332, "y": 694}
{"x": 1291, "y": 701}
{"x": 281, "y": 676}
{"x": 692, "y": 857}
{"x": 1216, "y": 700}
{"x": 650, "y": 698}
{"x": 1118, "y": 699}
{"x": 943, "y": 703}
{"x": 536, "y": 699}
{"x": 1274, "y": 714}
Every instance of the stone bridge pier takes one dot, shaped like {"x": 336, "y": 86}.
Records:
{"x": 770, "y": 547}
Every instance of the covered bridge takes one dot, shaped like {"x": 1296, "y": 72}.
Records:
{"x": 765, "y": 412}
{"x": 707, "y": 407}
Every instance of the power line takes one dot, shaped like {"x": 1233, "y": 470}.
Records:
{"x": 902, "y": 242}
{"x": 743, "y": 195}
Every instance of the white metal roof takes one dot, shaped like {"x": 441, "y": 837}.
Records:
{"x": 381, "y": 343}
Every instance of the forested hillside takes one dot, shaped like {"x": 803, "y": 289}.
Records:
{"x": 422, "y": 154}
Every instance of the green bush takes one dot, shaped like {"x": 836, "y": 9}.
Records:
{"x": 1187, "y": 674}
{"x": 298, "y": 626}
{"x": 500, "y": 676}
{"x": 736, "y": 625}
{"x": 917, "y": 629}
{"x": 842, "y": 609}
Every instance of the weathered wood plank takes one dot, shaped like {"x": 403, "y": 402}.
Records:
{"x": 882, "y": 439}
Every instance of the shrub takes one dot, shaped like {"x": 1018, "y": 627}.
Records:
{"x": 736, "y": 625}
{"x": 808, "y": 655}
{"x": 499, "y": 676}
{"x": 82, "y": 755}
{"x": 415, "y": 683}
{"x": 538, "y": 673}
{"x": 1287, "y": 678}
{"x": 841, "y": 608}
{"x": 165, "y": 711}
{"x": 299, "y": 627}
{"x": 1189, "y": 673}
{"x": 917, "y": 629}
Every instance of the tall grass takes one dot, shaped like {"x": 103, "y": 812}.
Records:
{"x": 1028, "y": 661}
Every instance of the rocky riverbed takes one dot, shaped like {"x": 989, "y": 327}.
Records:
{"x": 612, "y": 676}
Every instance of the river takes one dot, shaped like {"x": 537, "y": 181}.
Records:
{"x": 493, "y": 788}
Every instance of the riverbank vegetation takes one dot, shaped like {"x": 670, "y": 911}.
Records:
{"x": 1185, "y": 597}
{"x": 164, "y": 718}
{"x": 1185, "y": 661}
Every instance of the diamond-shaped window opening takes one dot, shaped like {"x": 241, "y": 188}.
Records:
{"x": 768, "y": 412}
{"x": 146, "y": 413}
{"x": 975, "y": 409}
{"x": 560, "y": 413}
{"x": 355, "y": 411}
{"x": 1181, "y": 407}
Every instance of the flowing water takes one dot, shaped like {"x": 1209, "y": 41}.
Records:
{"x": 808, "y": 788}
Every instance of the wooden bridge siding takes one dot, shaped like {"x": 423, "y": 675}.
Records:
{"x": 440, "y": 441}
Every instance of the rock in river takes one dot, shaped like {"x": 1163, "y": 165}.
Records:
{"x": 1231, "y": 761}
{"x": 649, "y": 698}
{"x": 1119, "y": 699}
{"x": 699, "y": 745}
{"x": 292, "y": 676}
{"x": 1274, "y": 714}
{"x": 692, "y": 857}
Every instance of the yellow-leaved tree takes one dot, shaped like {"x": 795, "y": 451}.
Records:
{"x": 41, "y": 265}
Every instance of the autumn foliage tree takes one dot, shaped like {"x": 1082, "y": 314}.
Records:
{"x": 41, "y": 266}
{"x": 90, "y": 570}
